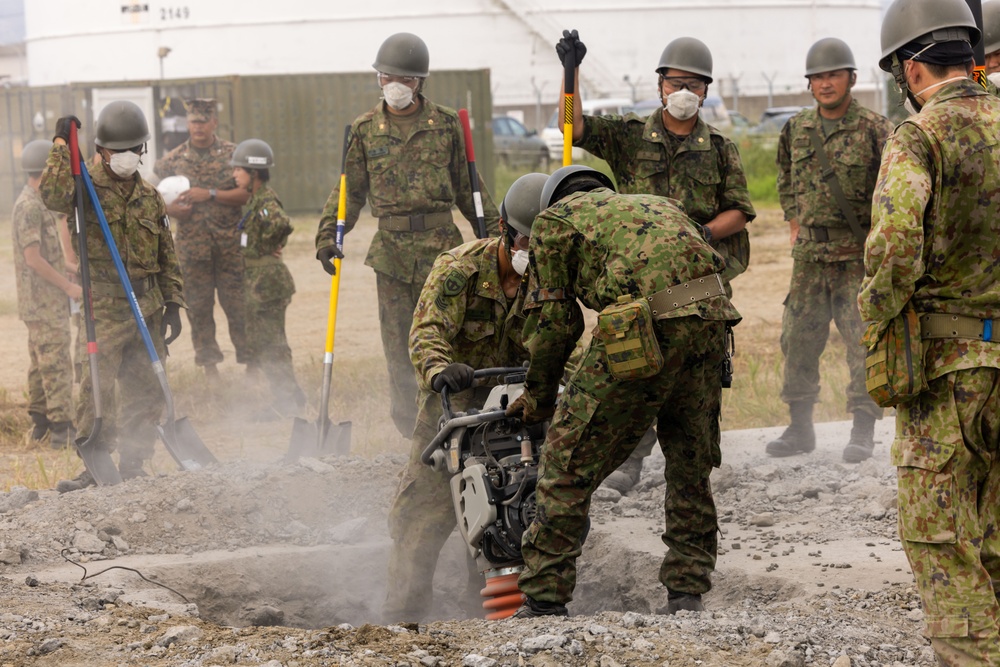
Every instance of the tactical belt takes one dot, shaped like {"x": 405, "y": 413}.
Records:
{"x": 824, "y": 234}
{"x": 419, "y": 222}
{"x": 139, "y": 285}
{"x": 261, "y": 261}
{"x": 942, "y": 325}
{"x": 683, "y": 294}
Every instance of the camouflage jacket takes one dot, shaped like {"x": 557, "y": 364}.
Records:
{"x": 212, "y": 224}
{"x": 464, "y": 316}
{"x": 137, "y": 217}
{"x": 424, "y": 172}
{"x": 936, "y": 223}
{"x": 266, "y": 278}
{"x": 595, "y": 247}
{"x": 854, "y": 150}
{"x": 705, "y": 174}
{"x": 32, "y": 223}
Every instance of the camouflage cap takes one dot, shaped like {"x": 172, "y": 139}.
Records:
{"x": 201, "y": 110}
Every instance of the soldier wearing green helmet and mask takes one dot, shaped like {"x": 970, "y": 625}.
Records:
{"x": 137, "y": 216}
{"x": 406, "y": 158}
{"x": 931, "y": 268}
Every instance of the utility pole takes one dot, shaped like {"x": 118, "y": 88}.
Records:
{"x": 734, "y": 80}
{"x": 632, "y": 85}
{"x": 538, "y": 103}
{"x": 770, "y": 87}
{"x": 161, "y": 54}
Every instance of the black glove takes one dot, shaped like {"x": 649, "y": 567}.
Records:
{"x": 325, "y": 255}
{"x": 171, "y": 320}
{"x": 570, "y": 43}
{"x": 63, "y": 125}
{"x": 456, "y": 376}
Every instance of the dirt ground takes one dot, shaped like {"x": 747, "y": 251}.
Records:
{"x": 260, "y": 562}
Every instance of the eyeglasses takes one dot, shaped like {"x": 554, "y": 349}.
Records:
{"x": 138, "y": 150}
{"x": 392, "y": 78}
{"x": 679, "y": 82}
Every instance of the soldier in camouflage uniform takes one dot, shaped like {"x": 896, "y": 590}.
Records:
{"x": 468, "y": 317}
{"x": 205, "y": 219}
{"x": 407, "y": 158}
{"x": 43, "y": 290}
{"x": 827, "y": 251}
{"x": 675, "y": 154}
{"x": 138, "y": 220}
{"x": 268, "y": 284}
{"x": 596, "y": 246}
{"x": 934, "y": 245}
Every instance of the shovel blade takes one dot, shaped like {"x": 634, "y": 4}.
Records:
{"x": 100, "y": 465}
{"x": 185, "y": 446}
{"x": 305, "y": 435}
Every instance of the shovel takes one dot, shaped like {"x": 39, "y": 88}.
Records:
{"x": 324, "y": 437}
{"x": 179, "y": 436}
{"x": 96, "y": 459}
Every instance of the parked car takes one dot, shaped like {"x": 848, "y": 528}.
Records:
{"x": 740, "y": 122}
{"x": 552, "y": 134}
{"x": 774, "y": 118}
{"x": 516, "y": 146}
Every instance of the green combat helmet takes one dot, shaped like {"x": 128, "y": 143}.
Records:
{"x": 829, "y": 55}
{"x": 926, "y": 22}
{"x": 991, "y": 26}
{"x": 520, "y": 205}
{"x": 403, "y": 54}
{"x": 121, "y": 125}
{"x": 559, "y": 178}
{"x": 34, "y": 155}
{"x": 252, "y": 154}
{"x": 688, "y": 54}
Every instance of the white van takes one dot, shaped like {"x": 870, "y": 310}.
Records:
{"x": 552, "y": 134}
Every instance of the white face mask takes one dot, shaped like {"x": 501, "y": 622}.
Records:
{"x": 519, "y": 260}
{"x": 397, "y": 95}
{"x": 125, "y": 163}
{"x": 682, "y": 104}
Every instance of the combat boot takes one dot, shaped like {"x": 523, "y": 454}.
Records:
{"x": 626, "y": 476}
{"x": 81, "y": 481}
{"x": 533, "y": 608}
{"x": 41, "y": 426}
{"x": 862, "y": 442}
{"x": 130, "y": 466}
{"x": 799, "y": 437}
{"x": 682, "y": 602}
{"x": 63, "y": 435}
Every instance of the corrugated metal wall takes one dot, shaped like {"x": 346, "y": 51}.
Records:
{"x": 302, "y": 117}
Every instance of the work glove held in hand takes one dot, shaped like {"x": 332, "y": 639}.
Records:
{"x": 327, "y": 255}
{"x": 570, "y": 43}
{"x": 455, "y": 376}
{"x": 528, "y": 410}
{"x": 63, "y": 125}
{"x": 172, "y": 321}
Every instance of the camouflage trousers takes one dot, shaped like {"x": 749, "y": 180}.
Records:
{"x": 50, "y": 373}
{"x": 596, "y": 426}
{"x": 421, "y": 519}
{"x": 819, "y": 292}
{"x": 267, "y": 346}
{"x": 123, "y": 360}
{"x": 396, "y": 302}
{"x": 947, "y": 449}
{"x": 223, "y": 273}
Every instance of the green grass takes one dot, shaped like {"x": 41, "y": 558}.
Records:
{"x": 758, "y": 155}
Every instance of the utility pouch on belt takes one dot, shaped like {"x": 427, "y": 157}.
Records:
{"x": 894, "y": 365}
{"x": 630, "y": 346}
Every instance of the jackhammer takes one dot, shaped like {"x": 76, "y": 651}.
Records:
{"x": 493, "y": 460}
